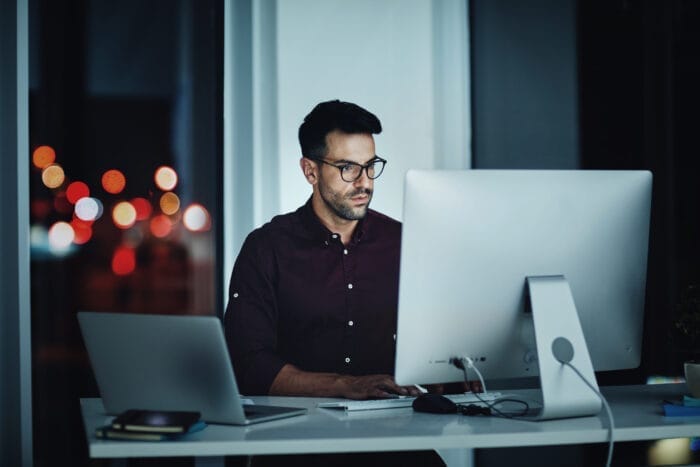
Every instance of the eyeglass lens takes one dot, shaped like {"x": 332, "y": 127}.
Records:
{"x": 351, "y": 172}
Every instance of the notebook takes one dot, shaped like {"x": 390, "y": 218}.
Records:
{"x": 168, "y": 362}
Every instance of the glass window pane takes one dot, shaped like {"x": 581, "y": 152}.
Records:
{"x": 125, "y": 135}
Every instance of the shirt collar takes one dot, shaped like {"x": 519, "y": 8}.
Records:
{"x": 319, "y": 231}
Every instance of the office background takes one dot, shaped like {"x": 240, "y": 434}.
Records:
{"x": 217, "y": 89}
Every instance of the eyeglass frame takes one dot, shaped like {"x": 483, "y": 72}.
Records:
{"x": 362, "y": 167}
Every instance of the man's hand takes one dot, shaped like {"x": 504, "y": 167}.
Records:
{"x": 374, "y": 386}
{"x": 291, "y": 381}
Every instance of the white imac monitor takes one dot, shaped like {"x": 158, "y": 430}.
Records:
{"x": 496, "y": 264}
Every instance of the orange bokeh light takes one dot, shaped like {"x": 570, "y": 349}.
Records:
{"x": 169, "y": 203}
{"x": 124, "y": 261}
{"x": 161, "y": 226}
{"x": 143, "y": 208}
{"x": 165, "y": 178}
{"x": 77, "y": 190}
{"x": 113, "y": 181}
{"x": 53, "y": 176}
{"x": 43, "y": 157}
{"x": 124, "y": 215}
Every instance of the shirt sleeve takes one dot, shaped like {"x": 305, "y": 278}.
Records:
{"x": 251, "y": 318}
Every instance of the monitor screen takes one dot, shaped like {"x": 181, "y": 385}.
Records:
{"x": 470, "y": 240}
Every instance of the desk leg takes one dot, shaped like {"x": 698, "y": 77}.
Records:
{"x": 457, "y": 457}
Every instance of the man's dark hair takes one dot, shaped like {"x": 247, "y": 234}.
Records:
{"x": 334, "y": 115}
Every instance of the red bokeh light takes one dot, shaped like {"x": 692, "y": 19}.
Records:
{"x": 77, "y": 190}
{"x": 124, "y": 261}
{"x": 143, "y": 208}
{"x": 82, "y": 229}
{"x": 161, "y": 226}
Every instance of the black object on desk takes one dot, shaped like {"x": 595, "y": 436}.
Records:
{"x": 156, "y": 421}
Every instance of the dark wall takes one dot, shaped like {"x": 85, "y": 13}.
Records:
{"x": 639, "y": 92}
{"x": 601, "y": 84}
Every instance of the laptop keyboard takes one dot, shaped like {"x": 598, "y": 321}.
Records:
{"x": 407, "y": 401}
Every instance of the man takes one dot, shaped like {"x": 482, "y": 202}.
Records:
{"x": 313, "y": 294}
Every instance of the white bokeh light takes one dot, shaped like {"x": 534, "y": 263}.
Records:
{"x": 61, "y": 235}
{"x": 166, "y": 178}
{"x": 196, "y": 218}
{"x": 88, "y": 209}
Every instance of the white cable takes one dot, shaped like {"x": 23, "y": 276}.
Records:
{"x": 611, "y": 429}
{"x": 470, "y": 364}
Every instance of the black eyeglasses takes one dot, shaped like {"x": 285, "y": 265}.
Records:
{"x": 351, "y": 171}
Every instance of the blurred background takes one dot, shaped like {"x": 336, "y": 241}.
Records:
{"x": 162, "y": 131}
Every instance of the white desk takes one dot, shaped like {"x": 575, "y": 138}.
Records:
{"x": 637, "y": 411}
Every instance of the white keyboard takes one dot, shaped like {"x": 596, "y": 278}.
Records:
{"x": 405, "y": 401}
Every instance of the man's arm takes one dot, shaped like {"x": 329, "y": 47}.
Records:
{"x": 291, "y": 381}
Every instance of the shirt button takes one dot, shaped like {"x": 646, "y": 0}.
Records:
{"x": 347, "y": 359}
{"x": 345, "y": 252}
{"x": 394, "y": 336}
{"x": 349, "y": 286}
{"x": 335, "y": 235}
{"x": 350, "y": 323}
{"x": 235, "y": 295}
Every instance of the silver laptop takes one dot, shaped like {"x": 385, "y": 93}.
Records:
{"x": 168, "y": 362}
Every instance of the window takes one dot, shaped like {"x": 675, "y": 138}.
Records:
{"x": 125, "y": 154}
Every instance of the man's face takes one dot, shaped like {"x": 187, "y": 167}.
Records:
{"x": 347, "y": 200}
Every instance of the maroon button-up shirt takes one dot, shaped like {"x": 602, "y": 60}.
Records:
{"x": 298, "y": 295}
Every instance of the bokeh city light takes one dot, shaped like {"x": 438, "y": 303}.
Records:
{"x": 53, "y": 176}
{"x": 77, "y": 190}
{"x": 143, "y": 208}
{"x": 165, "y": 178}
{"x": 82, "y": 229}
{"x": 157, "y": 215}
{"x": 124, "y": 215}
{"x": 124, "y": 261}
{"x": 161, "y": 226}
{"x": 61, "y": 236}
{"x": 43, "y": 157}
{"x": 113, "y": 181}
{"x": 169, "y": 203}
{"x": 196, "y": 218}
{"x": 88, "y": 209}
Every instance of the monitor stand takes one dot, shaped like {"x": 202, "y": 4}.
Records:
{"x": 555, "y": 319}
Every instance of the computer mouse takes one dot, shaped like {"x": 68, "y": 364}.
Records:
{"x": 434, "y": 403}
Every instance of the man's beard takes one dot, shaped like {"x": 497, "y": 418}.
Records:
{"x": 340, "y": 204}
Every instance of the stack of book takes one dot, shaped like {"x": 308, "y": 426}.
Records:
{"x": 689, "y": 406}
{"x": 151, "y": 425}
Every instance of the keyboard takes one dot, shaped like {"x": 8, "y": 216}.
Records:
{"x": 406, "y": 401}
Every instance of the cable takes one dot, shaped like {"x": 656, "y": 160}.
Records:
{"x": 490, "y": 406}
{"x": 611, "y": 428}
{"x": 459, "y": 362}
{"x": 470, "y": 364}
